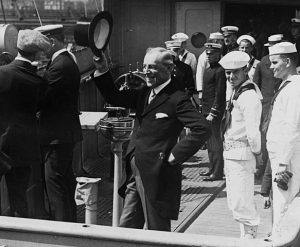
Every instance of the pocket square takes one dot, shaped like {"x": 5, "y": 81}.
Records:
{"x": 160, "y": 115}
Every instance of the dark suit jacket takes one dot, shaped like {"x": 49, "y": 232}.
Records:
{"x": 20, "y": 140}
{"x": 214, "y": 91}
{"x": 59, "y": 115}
{"x": 156, "y": 130}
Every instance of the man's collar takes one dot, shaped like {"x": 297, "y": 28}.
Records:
{"x": 23, "y": 59}
{"x": 161, "y": 86}
{"x": 55, "y": 54}
{"x": 61, "y": 51}
{"x": 184, "y": 53}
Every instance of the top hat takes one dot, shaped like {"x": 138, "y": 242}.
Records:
{"x": 94, "y": 34}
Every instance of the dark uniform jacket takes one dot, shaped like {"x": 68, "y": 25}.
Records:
{"x": 214, "y": 91}
{"x": 232, "y": 47}
{"x": 155, "y": 134}
{"x": 297, "y": 42}
{"x": 184, "y": 77}
{"x": 59, "y": 115}
{"x": 267, "y": 83}
{"x": 20, "y": 140}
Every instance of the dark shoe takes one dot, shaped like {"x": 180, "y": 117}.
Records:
{"x": 208, "y": 173}
{"x": 212, "y": 177}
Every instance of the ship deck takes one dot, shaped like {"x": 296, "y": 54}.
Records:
{"x": 203, "y": 207}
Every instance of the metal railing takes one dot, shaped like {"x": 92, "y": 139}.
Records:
{"x": 30, "y": 232}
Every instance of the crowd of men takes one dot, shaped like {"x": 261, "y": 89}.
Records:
{"x": 248, "y": 112}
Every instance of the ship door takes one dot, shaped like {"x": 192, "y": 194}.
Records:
{"x": 192, "y": 17}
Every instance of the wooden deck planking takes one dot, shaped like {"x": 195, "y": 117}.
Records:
{"x": 217, "y": 219}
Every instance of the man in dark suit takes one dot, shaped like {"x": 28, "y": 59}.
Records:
{"x": 21, "y": 86}
{"x": 154, "y": 156}
{"x": 59, "y": 125}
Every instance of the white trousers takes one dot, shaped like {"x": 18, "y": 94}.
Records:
{"x": 240, "y": 190}
{"x": 282, "y": 199}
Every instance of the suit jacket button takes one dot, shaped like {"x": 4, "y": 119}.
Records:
{"x": 161, "y": 155}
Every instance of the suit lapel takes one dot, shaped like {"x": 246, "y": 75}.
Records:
{"x": 141, "y": 105}
{"x": 159, "y": 99}
{"x": 156, "y": 102}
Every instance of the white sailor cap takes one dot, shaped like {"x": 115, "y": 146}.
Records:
{"x": 246, "y": 37}
{"x": 295, "y": 22}
{"x": 282, "y": 48}
{"x": 173, "y": 44}
{"x": 228, "y": 30}
{"x": 216, "y": 35}
{"x": 32, "y": 41}
{"x": 180, "y": 36}
{"x": 274, "y": 39}
{"x": 212, "y": 47}
{"x": 50, "y": 29}
{"x": 234, "y": 60}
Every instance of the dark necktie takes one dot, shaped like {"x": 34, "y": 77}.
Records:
{"x": 151, "y": 96}
{"x": 48, "y": 64}
{"x": 266, "y": 122}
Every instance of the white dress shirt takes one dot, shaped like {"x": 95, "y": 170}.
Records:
{"x": 252, "y": 69}
{"x": 201, "y": 66}
{"x": 156, "y": 90}
{"x": 23, "y": 59}
{"x": 283, "y": 136}
{"x": 244, "y": 127}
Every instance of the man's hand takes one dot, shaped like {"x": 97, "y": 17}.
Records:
{"x": 283, "y": 177}
{"x": 282, "y": 174}
{"x": 267, "y": 202}
{"x": 209, "y": 118}
{"x": 101, "y": 63}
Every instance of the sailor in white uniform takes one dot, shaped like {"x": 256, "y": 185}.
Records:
{"x": 283, "y": 133}
{"x": 242, "y": 141}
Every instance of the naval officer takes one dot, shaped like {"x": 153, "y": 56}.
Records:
{"x": 213, "y": 106}
{"x": 185, "y": 55}
{"x": 230, "y": 34}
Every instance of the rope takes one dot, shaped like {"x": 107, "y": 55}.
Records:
{"x": 97, "y": 7}
{"x": 102, "y": 5}
{"x": 37, "y": 11}
{"x": 4, "y": 17}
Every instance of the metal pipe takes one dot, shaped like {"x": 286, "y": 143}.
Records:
{"x": 117, "y": 202}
